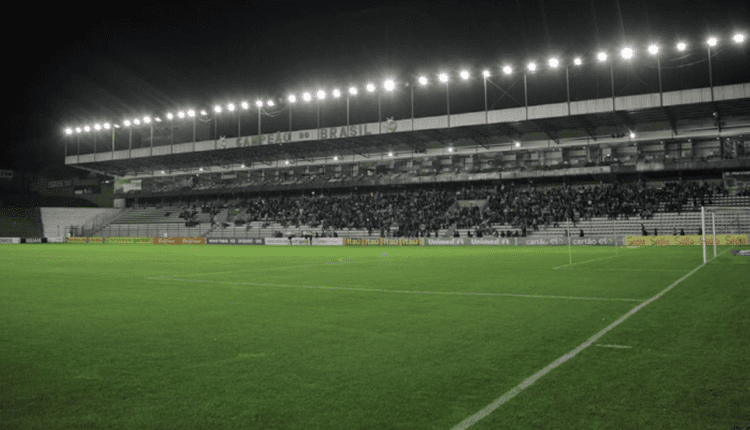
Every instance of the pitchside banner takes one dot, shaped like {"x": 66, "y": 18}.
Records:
{"x": 129, "y": 240}
{"x": 233, "y": 241}
{"x": 277, "y": 241}
{"x": 10, "y": 240}
{"x": 328, "y": 241}
{"x": 179, "y": 240}
{"x": 470, "y": 241}
{"x": 523, "y": 241}
{"x": 592, "y": 241}
{"x": 721, "y": 239}
{"x": 300, "y": 241}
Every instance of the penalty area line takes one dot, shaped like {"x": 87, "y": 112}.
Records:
{"x": 468, "y": 422}
{"x": 380, "y": 290}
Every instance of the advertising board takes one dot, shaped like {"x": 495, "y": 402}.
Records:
{"x": 300, "y": 241}
{"x": 31, "y": 240}
{"x": 129, "y": 240}
{"x": 592, "y": 241}
{"x": 234, "y": 241}
{"x": 55, "y": 240}
{"x": 179, "y": 240}
{"x": 721, "y": 239}
{"x": 328, "y": 241}
{"x": 10, "y": 240}
{"x": 525, "y": 241}
{"x": 277, "y": 241}
{"x": 402, "y": 241}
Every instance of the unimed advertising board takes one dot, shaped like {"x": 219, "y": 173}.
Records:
{"x": 233, "y": 241}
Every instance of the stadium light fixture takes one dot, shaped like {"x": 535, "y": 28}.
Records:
{"x": 321, "y": 95}
{"x": 146, "y": 120}
{"x": 162, "y": 172}
{"x": 242, "y": 166}
{"x": 507, "y": 70}
{"x": 116, "y": 126}
{"x": 336, "y": 93}
{"x": 105, "y": 126}
{"x": 335, "y": 158}
{"x": 87, "y": 129}
{"x": 286, "y": 162}
{"x": 245, "y": 105}
{"x": 292, "y": 98}
{"x": 370, "y": 87}
{"x": 68, "y": 131}
{"x": 517, "y": 144}
{"x": 170, "y": 116}
{"x": 306, "y": 97}
{"x": 126, "y": 123}
{"x": 203, "y": 112}
{"x": 230, "y": 107}
{"x": 532, "y": 67}
{"x": 353, "y": 91}
{"x": 200, "y": 168}
{"x": 486, "y": 73}
{"x": 97, "y": 126}
{"x": 681, "y": 46}
{"x": 423, "y": 80}
{"x": 738, "y": 38}
{"x": 443, "y": 77}
{"x": 389, "y": 85}
{"x": 78, "y": 129}
{"x": 712, "y": 41}
{"x": 137, "y": 121}
{"x": 632, "y": 135}
{"x": 270, "y": 103}
{"x": 259, "y": 103}
{"x": 653, "y": 49}
{"x": 627, "y": 53}
{"x": 191, "y": 113}
{"x": 179, "y": 114}
{"x": 554, "y": 62}
{"x": 464, "y": 74}
{"x": 450, "y": 149}
{"x": 390, "y": 154}
{"x": 157, "y": 119}
{"x": 577, "y": 61}
{"x": 602, "y": 56}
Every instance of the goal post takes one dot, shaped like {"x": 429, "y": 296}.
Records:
{"x": 729, "y": 221}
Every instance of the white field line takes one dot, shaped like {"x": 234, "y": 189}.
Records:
{"x": 589, "y": 261}
{"x": 612, "y": 346}
{"x": 380, "y": 290}
{"x": 468, "y": 422}
{"x": 327, "y": 264}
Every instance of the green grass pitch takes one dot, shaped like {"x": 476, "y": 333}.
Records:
{"x": 242, "y": 337}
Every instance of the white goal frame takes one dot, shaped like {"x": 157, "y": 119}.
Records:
{"x": 713, "y": 210}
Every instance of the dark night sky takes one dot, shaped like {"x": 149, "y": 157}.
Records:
{"x": 83, "y": 63}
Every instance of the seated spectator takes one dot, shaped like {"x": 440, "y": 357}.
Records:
{"x": 581, "y": 233}
{"x": 682, "y": 232}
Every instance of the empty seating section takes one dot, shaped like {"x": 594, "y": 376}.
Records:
{"x": 57, "y": 222}
{"x": 20, "y": 222}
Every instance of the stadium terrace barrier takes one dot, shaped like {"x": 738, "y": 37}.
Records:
{"x": 721, "y": 239}
{"x": 10, "y": 240}
{"x": 234, "y": 241}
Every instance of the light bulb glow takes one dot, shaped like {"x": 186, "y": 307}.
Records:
{"x": 137, "y": 121}
{"x": 170, "y": 116}
{"x": 97, "y": 127}
{"x": 245, "y": 105}
{"x": 336, "y": 93}
{"x": 532, "y": 67}
{"x": 259, "y": 103}
{"x": 146, "y": 120}
{"x": 602, "y": 56}
{"x": 423, "y": 80}
{"x": 370, "y": 87}
{"x": 389, "y": 85}
{"x": 681, "y": 46}
{"x": 443, "y": 77}
{"x": 578, "y": 61}
{"x": 68, "y": 130}
{"x": 464, "y": 74}
{"x": 270, "y": 103}
{"x": 87, "y": 129}
{"x": 306, "y": 97}
{"x": 191, "y": 113}
{"x": 738, "y": 38}
{"x": 507, "y": 70}
{"x": 486, "y": 73}
{"x": 230, "y": 107}
{"x": 292, "y": 98}
{"x": 653, "y": 49}
{"x": 554, "y": 62}
{"x": 78, "y": 129}
{"x": 126, "y": 123}
{"x": 353, "y": 91}
{"x": 627, "y": 53}
{"x": 712, "y": 41}
{"x": 180, "y": 114}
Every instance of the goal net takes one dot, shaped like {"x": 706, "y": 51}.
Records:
{"x": 724, "y": 226}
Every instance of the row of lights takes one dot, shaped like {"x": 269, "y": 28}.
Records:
{"x": 389, "y": 85}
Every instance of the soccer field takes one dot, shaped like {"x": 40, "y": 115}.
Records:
{"x": 262, "y": 337}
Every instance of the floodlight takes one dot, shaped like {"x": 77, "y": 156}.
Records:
{"x": 464, "y": 74}
{"x": 712, "y": 41}
{"x": 179, "y": 114}
{"x": 87, "y": 128}
{"x": 739, "y": 38}
{"x": 602, "y": 56}
{"x": 517, "y": 144}
{"x": 486, "y": 73}
{"x": 245, "y": 105}
{"x": 389, "y": 85}
{"x": 170, "y": 116}
{"x": 68, "y": 130}
{"x": 292, "y": 98}
{"x": 270, "y": 103}
{"x": 450, "y": 149}
{"x": 681, "y": 46}
{"x": 507, "y": 70}
{"x": 146, "y": 120}
{"x": 116, "y": 126}
{"x": 191, "y": 113}
{"x": 577, "y": 61}
{"x": 306, "y": 97}
{"x": 321, "y": 94}
{"x": 353, "y": 91}
{"x": 126, "y": 123}
{"x": 259, "y": 103}
{"x": 97, "y": 127}
{"x": 242, "y": 166}
{"x": 203, "y": 112}
{"x": 200, "y": 168}
{"x": 443, "y": 77}
{"x": 286, "y": 162}
{"x": 336, "y": 93}
{"x": 627, "y": 53}
{"x": 78, "y": 129}
{"x": 423, "y": 80}
{"x": 653, "y": 49}
{"x": 335, "y": 158}
{"x": 390, "y": 154}
{"x": 532, "y": 67}
{"x": 632, "y": 135}
{"x": 554, "y": 62}
{"x": 106, "y": 126}
{"x": 230, "y": 107}
{"x": 370, "y": 87}
{"x": 217, "y": 109}
{"x": 162, "y": 172}
{"x": 137, "y": 121}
